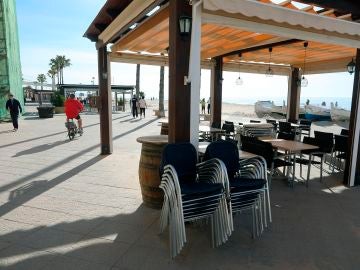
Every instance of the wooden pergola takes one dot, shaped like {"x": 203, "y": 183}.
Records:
{"x": 147, "y": 32}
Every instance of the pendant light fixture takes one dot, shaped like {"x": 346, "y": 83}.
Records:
{"x": 269, "y": 72}
{"x": 304, "y": 82}
{"x": 239, "y": 80}
{"x": 351, "y": 66}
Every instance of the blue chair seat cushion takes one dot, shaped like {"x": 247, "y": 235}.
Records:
{"x": 238, "y": 184}
{"x": 191, "y": 191}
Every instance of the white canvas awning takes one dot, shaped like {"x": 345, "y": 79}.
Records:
{"x": 281, "y": 21}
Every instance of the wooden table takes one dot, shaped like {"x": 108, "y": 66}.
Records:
{"x": 291, "y": 148}
{"x": 207, "y": 130}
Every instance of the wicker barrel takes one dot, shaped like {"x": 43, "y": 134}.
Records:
{"x": 164, "y": 128}
{"x": 149, "y": 176}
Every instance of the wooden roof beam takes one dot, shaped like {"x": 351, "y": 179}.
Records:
{"x": 112, "y": 13}
{"x": 261, "y": 47}
{"x": 133, "y": 13}
{"x": 347, "y": 17}
{"x": 162, "y": 60}
{"x": 100, "y": 26}
{"x": 327, "y": 12}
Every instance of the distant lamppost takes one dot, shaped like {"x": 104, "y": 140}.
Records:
{"x": 93, "y": 80}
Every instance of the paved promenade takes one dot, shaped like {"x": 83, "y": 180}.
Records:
{"x": 63, "y": 206}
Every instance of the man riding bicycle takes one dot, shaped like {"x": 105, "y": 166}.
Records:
{"x": 72, "y": 109}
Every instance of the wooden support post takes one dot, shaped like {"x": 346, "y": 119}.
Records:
{"x": 105, "y": 104}
{"x": 124, "y": 104}
{"x": 179, "y": 92}
{"x": 352, "y": 165}
{"x": 116, "y": 102}
{"x": 293, "y": 103}
{"x": 138, "y": 80}
{"x": 216, "y": 91}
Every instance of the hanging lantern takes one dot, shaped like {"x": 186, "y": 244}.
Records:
{"x": 239, "y": 80}
{"x": 269, "y": 72}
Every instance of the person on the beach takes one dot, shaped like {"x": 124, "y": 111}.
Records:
{"x": 208, "y": 106}
{"x": 202, "y": 102}
{"x": 73, "y": 107}
{"x": 14, "y": 107}
{"x": 142, "y": 105}
{"x": 134, "y": 105}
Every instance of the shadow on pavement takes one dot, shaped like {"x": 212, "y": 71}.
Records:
{"x": 7, "y": 131}
{"x": 33, "y": 189}
{"x": 53, "y": 134}
{"x": 39, "y": 148}
{"x": 59, "y": 179}
{"x": 90, "y": 250}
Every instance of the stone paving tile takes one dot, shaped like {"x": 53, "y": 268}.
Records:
{"x": 13, "y": 231}
{"x": 23, "y": 258}
{"x": 48, "y": 239}
{"x": 70, "y": 263}
{"x": 4, "y": 244}
{"x": 98, "y": 250}
{"x": 76, "y": 208}
{"x": 115, "y": 230}
{"x": 56, "y": 190}
{"x": 146, "y": 258}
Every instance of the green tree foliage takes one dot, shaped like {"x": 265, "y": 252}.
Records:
{"x": 58, "y": 64}
{"x": 41, "y": 78}
{"x": 57, "y": 99}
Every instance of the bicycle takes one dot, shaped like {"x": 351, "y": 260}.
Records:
{"x": 72, "y": 129}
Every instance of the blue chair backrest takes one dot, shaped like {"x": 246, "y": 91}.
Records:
{"x": 344, "y": 132}
{"x": 260, "y": 148}
{"x": 284, "y": 126}
{"x": 228, "y": 128}
{"x": 341, "y": 143}
{"x": 325, "y": 139}
{"x": 286, "y": 136}
{"x": 227, "y": 152}
{"x": 183, "y": 157}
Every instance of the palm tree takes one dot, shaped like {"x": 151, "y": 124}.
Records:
{"x": 54, "y": 65}
{"x": 59, "y": 63}
{"x": 161, "y": 93}
{"x": 52, "y": 73}
{"x": 41, "y": 78}
{"x": 63, "y": 64}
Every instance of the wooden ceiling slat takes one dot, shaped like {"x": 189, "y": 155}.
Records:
{"x": 152, "y": 36}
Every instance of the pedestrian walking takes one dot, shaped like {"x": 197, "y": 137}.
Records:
{"x": 134, "y": 105}
{"x": 202, "y": 102}
{"x": 143, "y": 106}
{"x": 14, "y": 107}
{"x": 208, "y": 106}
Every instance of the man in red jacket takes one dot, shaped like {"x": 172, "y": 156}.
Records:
{"x": 72, "y": 109}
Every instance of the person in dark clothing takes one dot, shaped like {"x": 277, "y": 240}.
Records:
{"x": 14, "y": 107}
{"x": 134, "y": 106}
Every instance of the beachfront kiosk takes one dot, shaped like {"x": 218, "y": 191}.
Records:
{"x": 224, "y": 35}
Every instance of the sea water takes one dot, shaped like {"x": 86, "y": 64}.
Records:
{"x": 343, "y": 102}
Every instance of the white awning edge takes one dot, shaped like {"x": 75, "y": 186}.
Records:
{"x": 279, "y": 14}
{"x": 250, "y": 24}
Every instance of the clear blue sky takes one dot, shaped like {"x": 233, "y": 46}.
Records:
{"x": 48, "y": 28}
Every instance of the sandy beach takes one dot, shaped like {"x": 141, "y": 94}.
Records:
{"x": 244, "y": 113}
